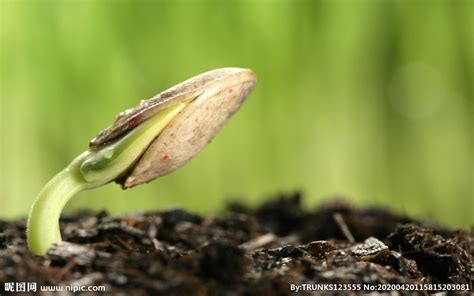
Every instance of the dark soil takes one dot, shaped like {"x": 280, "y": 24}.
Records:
{"x": 243, "y": 251}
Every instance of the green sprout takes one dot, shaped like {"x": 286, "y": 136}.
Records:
{"x": 148, "y": 141}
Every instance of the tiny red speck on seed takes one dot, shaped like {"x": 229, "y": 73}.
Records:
{"x": 165, "y": 157}
{"x": 230, "y": 90}
{"x": 133, "y": 122}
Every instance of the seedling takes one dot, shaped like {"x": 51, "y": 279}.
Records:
{"x": 153, "y": 139}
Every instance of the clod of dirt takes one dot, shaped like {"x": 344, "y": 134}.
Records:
{"x": 243, "y": 251}
{"x": 369, "y": 249}
{"x": 447, "y": 258}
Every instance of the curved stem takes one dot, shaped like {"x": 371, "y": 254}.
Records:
{"x": 89, "y": 170}
{"x": 43, "y": 227}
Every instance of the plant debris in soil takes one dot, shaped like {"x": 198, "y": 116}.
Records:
{"x": 246, "y": 251}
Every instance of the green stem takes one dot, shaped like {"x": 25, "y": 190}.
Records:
{"x": 43, "y": 227}
{"x": 89, "y": 170}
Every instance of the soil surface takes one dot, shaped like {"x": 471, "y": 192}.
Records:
{"x": 242, "y": 251}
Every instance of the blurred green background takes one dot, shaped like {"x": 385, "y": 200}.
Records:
{"x": 370, "y": 100}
